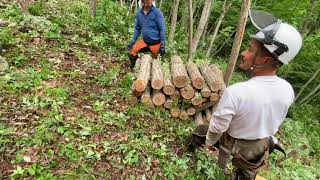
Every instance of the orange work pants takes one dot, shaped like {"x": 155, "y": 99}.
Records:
{"x": 140, "y": 45}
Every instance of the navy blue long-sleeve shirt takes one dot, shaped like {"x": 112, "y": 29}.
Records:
{"x": 151, "y": 26}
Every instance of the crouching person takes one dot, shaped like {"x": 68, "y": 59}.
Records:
{"x": 249, "y": 112}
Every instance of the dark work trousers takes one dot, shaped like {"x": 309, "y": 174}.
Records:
{"x": 249, "y": 156}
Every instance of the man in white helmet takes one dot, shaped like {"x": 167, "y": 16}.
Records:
{"x": 250, "y": 112}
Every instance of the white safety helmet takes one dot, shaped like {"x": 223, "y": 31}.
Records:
{"x": 282, "y": 40}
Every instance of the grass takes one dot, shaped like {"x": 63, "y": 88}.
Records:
{"x": 63, "y": 113}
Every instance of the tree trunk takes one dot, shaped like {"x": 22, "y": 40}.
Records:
{"x": 158, "y": 98}
{"x": 307, "y": 83}
{"x": 205, "y": 91}
{"x": 187, "y": 92}
{"x": 173, "y": 20}
{"x": 157, "y": 75}
{"x": 203, "y": 20}
{"x": 168, "y": 103}
{"x": 191, "y": 110}
{"x": 133, "y": 97}
{"x": 143, "y": 78}
{"x": 168, "y": 87}
{"x": 216, "y": 69}
{"x": 184, "y": 115}
{"x": 197, "y": 99}
{"x": 121, "y": 3}
{"x": 131, "y": 7}
{"x": 195, "y": 75}
{"x": 306, "y": 21}
{"x": 310, "y": 94}
{"x": 160, "y": 4}
{"x": 190, "y": 31}
{"x": 175, "y": 112}
{"x": 176, "y": 95}
{"x": 216, "y": 29}
{"x": 146, "y": 98}
{"x": 93, "y": 8}
{"x": 212, "y": 78}
{"x": 207, "y": 105}
{"x": 24, "y": 6}
{"x": 179, "y": 73}
{"x": 237, "y": 41}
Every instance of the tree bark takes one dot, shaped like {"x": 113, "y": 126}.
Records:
{"x": 175, "y": 112}
{"x": 93, "y": 8}
{"x": 146, "y": 98}
{"x": 144, "y": 74}
{"x": 216, "y": 29}
{"x": 208, "y": 114}
{"x": 191, "y": 110}
{"x": 158, "y": 98}
{"x": 212, "y": 78}
{"x": 310, "y": 94}
{"x": 307, "y": 83}
{"x": 174, "y": 20}
{"x": 184, "y": 115}
{"x": 306, "y": 21}
{"x": 176, "y": 95}
{"x": 179, "y": 73}
{"x": 237, "y": 41}
{"x": 24, "y": 6}
{"x": 203, "y": 20}
{"x": 205, "y": 91}
{"x": 216, "y": 69}
{"x": 187, "y": 92}
{"x": 190, "y": 31}
{"x": 168, "y": 87}
{"x": 157, "y": 75}
{"x": 214, "y": 97}
{"x": 195, "y": 75}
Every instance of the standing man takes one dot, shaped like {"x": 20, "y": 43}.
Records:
{"x": 249, "y": 112}
{"x": 150, "y": 23}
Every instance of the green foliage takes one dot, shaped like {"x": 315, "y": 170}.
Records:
{"x": 7, "y": 37}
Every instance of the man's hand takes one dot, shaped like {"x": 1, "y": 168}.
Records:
{"x": 213, "y": 150}
{"x": 162, "y": 50}
{"x": 130, "y": 45}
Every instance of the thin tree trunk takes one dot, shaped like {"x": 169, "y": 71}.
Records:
{"x": 24, "y": 6}
{"x": 160, "y": 4}
{"x": 121, "y": 3}
{"x": 203, "y": 20}
{"x": 216, "y": 29}
{"x": 93, "y": 8}
{"x": 307, "y": 83}
{"x": 190, "y": 31}
{"x": 237, "y": 41}
{"x": 310, "y": 94}
{"x": 306, "y": 21}
{"x": 131, "y": 6}
{"x": 174, "y": 20}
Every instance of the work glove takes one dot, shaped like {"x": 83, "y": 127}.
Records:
{"x": 162, "y": 50}
{"x": 130, "y": 45}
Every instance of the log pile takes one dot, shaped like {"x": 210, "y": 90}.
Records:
{"x": 186, "y": 90}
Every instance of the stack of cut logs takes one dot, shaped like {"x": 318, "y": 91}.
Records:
{"x": 185, "y": 90}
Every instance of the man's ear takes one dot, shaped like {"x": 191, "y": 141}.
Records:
{"x": 268, "y": 59}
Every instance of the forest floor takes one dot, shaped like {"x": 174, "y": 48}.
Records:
{"x": 63, "y": 115}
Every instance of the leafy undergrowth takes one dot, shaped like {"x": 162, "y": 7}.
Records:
{"x": 63, "y": 115}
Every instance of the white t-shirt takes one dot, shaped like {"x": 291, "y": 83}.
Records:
{"x": 253, "y": 109}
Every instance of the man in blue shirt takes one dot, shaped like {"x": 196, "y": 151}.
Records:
{"x": 150, "y": 23}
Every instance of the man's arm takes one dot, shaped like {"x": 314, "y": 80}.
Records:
{"x": 137, "y": 29}
{"x": 162, "y": 27}
{"x": 221, "y": 119}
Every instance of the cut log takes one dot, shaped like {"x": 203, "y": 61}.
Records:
{"x": 216, "y": 69}
{"x": 214, "y": 97}
{"x": 221, "y": 91}
{"x": 168, "y": 103}
{"x": 195, "y": 76}
{"x": 212, "y": 79}
{"x": 144, "y": 74}
{"x": 176, "y": 95}
{"x": 184, "y": 115}
{"x": 199, "y": 119}
{"x": 191, "y": 110}
{"x": 146, "y": 97}
{"x": 175, "y": 112}
{"x": 168, "y": 87}
{"x": 208, "y": 114}
{"x": 197, "y": 99}
{"x": 187, "y": 92}
{"x": 205, "y": 91}
{"x": 157, "y": 75}
{"x": 179, "y": 73}
{"x": 207, "y": 105}
{"x": 158, "y": 98}
{"x": 132, "y": 100}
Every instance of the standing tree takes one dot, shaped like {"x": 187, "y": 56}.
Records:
{"x": 203, "y": 20}
{"x": 216, "y": 29}
{"x": 93, "y": 8}
{"x": 174, "y": 20}
{"x": 190, "y": 31}
{"x": 237, "y": 40}
{"x": 24, "y": 6}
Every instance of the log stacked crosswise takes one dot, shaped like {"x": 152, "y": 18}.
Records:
{"x": 186, "y": 90}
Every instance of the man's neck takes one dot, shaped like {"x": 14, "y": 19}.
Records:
{"x": 146, "y": 8}
{"x": 264, "y": 73}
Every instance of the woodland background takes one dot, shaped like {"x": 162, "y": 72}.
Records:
{"x": 63, "y": 112}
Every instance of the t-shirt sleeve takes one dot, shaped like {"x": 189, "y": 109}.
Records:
{"x": 222, "y": 116}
